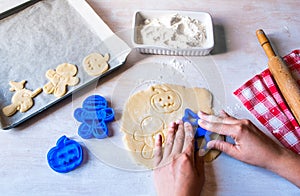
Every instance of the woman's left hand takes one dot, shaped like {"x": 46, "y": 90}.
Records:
{"x": 179, "y": 170}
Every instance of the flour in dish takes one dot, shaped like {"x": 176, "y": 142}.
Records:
{"x": 176, "y": 31}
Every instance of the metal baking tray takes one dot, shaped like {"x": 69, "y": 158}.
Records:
{"x": 39, "y": 35}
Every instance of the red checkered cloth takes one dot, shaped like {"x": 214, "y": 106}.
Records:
{"x": 261, "y": 97}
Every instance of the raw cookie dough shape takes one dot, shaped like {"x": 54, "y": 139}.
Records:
{"x": 95, "y": 64}
{"x": 65, "y": 156}
{"x": 149, "y": 128}
{"x": 22, "y": 100}
{"x": 63, "y": 76}
{"x": 94, "y": 115}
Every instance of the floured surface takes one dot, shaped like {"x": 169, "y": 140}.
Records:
{"x": 45, "y": 35}
{"x": 149, "y": 112}
{"x": 142, "y": 75}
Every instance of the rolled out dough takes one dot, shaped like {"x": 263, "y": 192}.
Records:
{"x": 148, "y": 113}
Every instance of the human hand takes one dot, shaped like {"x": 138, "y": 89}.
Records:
{"x": 251, "y": 145}
{"x": 179, "y": 171}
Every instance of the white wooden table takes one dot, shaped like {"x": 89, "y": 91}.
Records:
{"x": 238, "y": 56}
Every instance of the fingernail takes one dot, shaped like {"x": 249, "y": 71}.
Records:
{"x": 200, "y": 121}
{"x": 209, "y": 145}
{"x": 200, "y": 113}
{"x": 223, "y": 113}
{"x": 187, "y": 124}
{"x": 201, "y": 152}
{"x": 178, "y": 121}
{"x": 158, "y": 138}
{"x": 171, "y": 124}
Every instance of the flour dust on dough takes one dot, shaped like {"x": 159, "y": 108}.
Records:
{"x": 148, "y": 113}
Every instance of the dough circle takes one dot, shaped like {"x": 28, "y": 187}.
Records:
{"x": 148, "y": 113}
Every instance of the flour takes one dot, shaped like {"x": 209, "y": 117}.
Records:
{"x": 176, "y": 31}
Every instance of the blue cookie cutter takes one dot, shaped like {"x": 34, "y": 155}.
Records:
{"x": 192, "y": 118}
{"x": 94, "y": 115}
{"x": 65, "y": 156}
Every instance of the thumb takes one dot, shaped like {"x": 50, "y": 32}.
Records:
{"x": 222, "y": 146}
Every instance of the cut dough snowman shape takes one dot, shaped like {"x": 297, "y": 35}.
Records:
{"x": 95, "y": 64}
{"x": 60, "y": 78}
{"x": 22, "y": 100}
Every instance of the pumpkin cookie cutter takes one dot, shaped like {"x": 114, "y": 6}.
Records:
{"x": 94, "y": 116}
{"x": 65, "y": 156}
{"x": 192, "y": 118}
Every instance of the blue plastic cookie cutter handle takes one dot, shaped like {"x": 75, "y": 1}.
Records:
{"x": 192, "y": 118}
{"x": 65, "y": 156}
{"x": 94, "y": 116}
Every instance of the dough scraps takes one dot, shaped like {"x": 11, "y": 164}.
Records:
{"x": 148, "y": 113}
{"x": 60, "y": 78}
{"x": 95, "y": 64}
{"x": 22, "y": 100}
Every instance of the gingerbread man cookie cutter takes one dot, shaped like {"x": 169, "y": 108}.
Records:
{"x": 22, "y": 100}
{"x": 63, "y": 76}
{"x": 94, "y": 116}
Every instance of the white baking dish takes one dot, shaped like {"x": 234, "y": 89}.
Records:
{"x": 203, "y": 17}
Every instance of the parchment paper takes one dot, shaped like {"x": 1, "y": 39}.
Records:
{"x": 41, "y": 37}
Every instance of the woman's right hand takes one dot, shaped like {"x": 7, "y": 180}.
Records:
{"x": 251, "y": 145}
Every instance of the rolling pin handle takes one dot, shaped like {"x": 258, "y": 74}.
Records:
{"x": 265, "y": 43}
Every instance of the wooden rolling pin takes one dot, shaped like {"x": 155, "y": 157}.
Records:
{"x": 284, "y": 79}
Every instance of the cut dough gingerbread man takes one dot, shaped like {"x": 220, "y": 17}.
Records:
{"x": 22, "y": 100}
{"x": 60, "y": 78}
